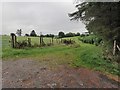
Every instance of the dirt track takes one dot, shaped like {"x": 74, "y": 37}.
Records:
{"x": 31, "y": 74}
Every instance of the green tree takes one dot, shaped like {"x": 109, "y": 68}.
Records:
{"x": 19, "y": 32}
{"x": 77, "y": 34}
{"x": 26, "y": 34}
{"x": 61, "y": 34}
{"x": 70, "y": 34}
{"x": 101, "y": 18}
{"x": 33, "y": 33}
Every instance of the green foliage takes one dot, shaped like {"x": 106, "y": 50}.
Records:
{"x": 91, "y": 39}
{"x": 33, "y": 33}
{"x": 19, "y": 32}
{"x": 77, "y": 34}
{"x": 21, "y": 44}
{"x": 67, "y": 41}
{"x": 61, "y": 34}
{"x": 91, "y": 56}
{"x": 101, "y": 18}
{"x": 49, "y": 35}
{"x": 26, "y": 34}
{"x": 70, "y": 34}
{"x": 82, "y": 35}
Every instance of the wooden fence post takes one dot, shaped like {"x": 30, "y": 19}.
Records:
{"x": 56, "y": 41}
{"x": 13, "y": 41}
{"x": 29, "y": 42}
{"x": 15, "y": 44}
{"x": 114, "y": 47}
{"x": 40, "y": 40}
{"x": 52, "y": 40}
{"x": 61, "y": 40}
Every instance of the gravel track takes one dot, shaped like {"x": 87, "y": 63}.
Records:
{"x": 30, "y": 74}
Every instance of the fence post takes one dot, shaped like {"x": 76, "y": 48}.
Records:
{"x": 13, "y": 42}
{"x": 114, "y": 47}
{"x": 52, "y": 40}
{"x": 61, "y": 40}
{"x": 56, "y": 41}
{"x": 40, "y": 40}
{"x": 29, "y": 42}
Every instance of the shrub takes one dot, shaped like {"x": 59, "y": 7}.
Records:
{"x": 65, "y": 41}
{"x": 26, "y": 34}
{"x": 48, "y": 44}
{"x": 92, "y": 39}
{"x": 36, "y": 45}
{"x": 22, "y": 44}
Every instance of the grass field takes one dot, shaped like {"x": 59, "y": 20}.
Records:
{"x": 77, "y": 55}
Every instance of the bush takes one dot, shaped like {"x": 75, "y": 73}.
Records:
{"x": 92, "y": 39}
{"x": 65, "y": 41}
{"x": 82, "y": 35}
{"x": 70, "y": 34}
{"x": 22, "y": 44}
{"x": 61, "y": 34}
{"x": 26, "y": 34}
{"x": 48, "y": 44}
{"x": 49, "y": 35}
{"x": 36, "y": 45}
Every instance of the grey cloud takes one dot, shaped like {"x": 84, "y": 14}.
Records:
{"x": 46, "y": 17}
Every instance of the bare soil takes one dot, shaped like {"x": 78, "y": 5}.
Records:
{"x": 33, "y": 74}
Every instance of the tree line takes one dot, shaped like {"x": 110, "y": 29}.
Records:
{"x": 61, "y": 34}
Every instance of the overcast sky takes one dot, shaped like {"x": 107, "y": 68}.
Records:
{"x": 45, "y": 17}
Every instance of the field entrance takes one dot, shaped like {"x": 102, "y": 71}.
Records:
{"x": 57, "y": 66}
